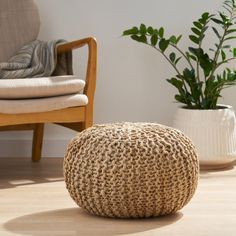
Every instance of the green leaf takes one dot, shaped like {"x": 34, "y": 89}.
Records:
{"x": 188, "y": 74}
{"x": 131, "y": 31}
{"x": 161, "y": 32}
{"x": 177, "y": 60}
{"x": 202, "y": 21}
{"x": 229, "y": 38}
{"x": 154, "y": 39}
{"x": 194, "y": 39}
{"x": 190, "y": 56}
{"x": 234, "y": 52}
{"x": 180, "y": 99}
{"x": 173, "y": 39}
{"x": 228, "y": 23}
{"x": 163, "y": 44}
{"x": 150, "y": 30}
{"x": 205, "y": 63}
{"x": 141, "y": 39}
{"x": 155, "y": 31}
{"x": 135, "y": 37}
{"x": 143, "y": 29}
{"x": 216, "y": 32}
{"x": 230, "y": 31}
{"x": 201, "y": 37}
{"x": 205, "y": 15}
{"x": 198, "y": 25}
{"x": 178, "y": 39}
{"x": 203, "y": 58}
{"x": 172, "y": 57}
{"x": 217, "y": 21}
{"x": 183, "y": 96}
{"x": 223, "y": 17}
{"x": 193, "y": 57}
{"x": 231, "y": 77}
{"x": 195, "y": 51}
{"x": 223, "y": 56}
{"x": 204, "y": 29}
{"x": 176, "y": 82}
{"x": 196, "y": 31}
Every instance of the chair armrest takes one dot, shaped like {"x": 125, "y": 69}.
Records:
{"x": 65, "y": 47}
{"x": 90, "y": 86}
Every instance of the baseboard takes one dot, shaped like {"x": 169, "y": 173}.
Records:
{"x": 22, "y": 148}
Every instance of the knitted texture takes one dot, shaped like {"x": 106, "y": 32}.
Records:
{"x": 131, "y": 170}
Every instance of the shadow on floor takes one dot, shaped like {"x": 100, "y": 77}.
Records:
{"x": 78, "y": 222}
{"x": 16, "y": 172}
{"x": 226, "y": 172}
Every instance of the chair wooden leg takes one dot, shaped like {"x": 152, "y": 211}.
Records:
{"x": 85, "y": 125}
{"x": 37, "y": 142}
{"x": 89, "y": 118}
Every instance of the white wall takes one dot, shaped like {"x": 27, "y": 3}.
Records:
{"x": 131, "y": 82}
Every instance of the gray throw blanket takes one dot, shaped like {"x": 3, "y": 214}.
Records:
{"x": 37, "y": 59}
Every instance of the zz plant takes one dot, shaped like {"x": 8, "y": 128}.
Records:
{"x": 200, "y": 83}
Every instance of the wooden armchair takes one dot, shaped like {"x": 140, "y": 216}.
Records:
{"x": 76, "y": 118}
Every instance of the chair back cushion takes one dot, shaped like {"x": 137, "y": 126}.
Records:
{"x": 19, "y": 24}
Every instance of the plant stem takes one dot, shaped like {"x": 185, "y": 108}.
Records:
{"x": 198, "y": 64}
{"x": 217, "y": 53}
{"x": 176, "y": 69}
{"x": 183, "y": 54}
{"x": 178, "y": 49}
{"x": 174, "y": 66}
{"x": 226, "y": 61}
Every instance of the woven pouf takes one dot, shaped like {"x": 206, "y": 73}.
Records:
{"x": 131, "y": 170}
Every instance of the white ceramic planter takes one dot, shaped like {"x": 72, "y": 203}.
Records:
{"x": 212, "y": 131}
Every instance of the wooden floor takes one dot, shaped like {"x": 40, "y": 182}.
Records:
{"x": 34, "y": 201}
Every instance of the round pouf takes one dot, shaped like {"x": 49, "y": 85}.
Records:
{"x": 131, "y": 170}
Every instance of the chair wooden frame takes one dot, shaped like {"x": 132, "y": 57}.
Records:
{"x": 76, "y": 118}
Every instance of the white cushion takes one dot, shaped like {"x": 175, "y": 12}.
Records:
{"x": 42, "y": 104}
{"x": 40, "y": 87}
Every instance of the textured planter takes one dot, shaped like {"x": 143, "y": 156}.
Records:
{"x": 212, "y": 131}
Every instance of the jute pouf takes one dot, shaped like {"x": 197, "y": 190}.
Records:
{"x": 131, "y": 170}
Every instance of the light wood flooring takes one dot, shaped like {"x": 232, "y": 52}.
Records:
{"x": 35, "y": 202}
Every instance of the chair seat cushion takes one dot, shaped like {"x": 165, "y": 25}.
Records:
{"x": 40, "y": 87}
{"x": 42, "y": 104}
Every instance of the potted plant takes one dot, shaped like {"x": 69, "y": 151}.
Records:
{"x": 211, "y": 126}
